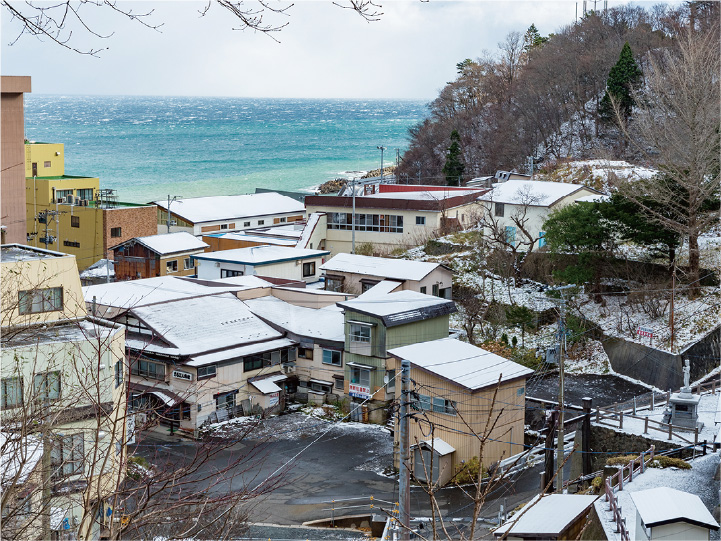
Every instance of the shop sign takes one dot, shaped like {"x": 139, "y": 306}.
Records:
{"x": 187, "y": 376}
{"x": 359, "y": 391}
{"x": 273, "y": 400}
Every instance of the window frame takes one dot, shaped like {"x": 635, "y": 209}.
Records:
{"x": 499, "y": 210}
{"x": 17, "y": 393}
{"x": 209, "y": 371}
{"x": 67, "y": 450}
{"x": 358, "y": 375}
{"x": 310, "y": 265}
{"x": 116, "y": 232}
{"x": 75, "y": 221}
{"x": 118, "y": 374}
{"x": 40, "y": 386}
{"x": 52, "y": 303}
{"x": 420, "y": 220}
{"x": 229, "y": 273}
{"x": 333, "y": 354}
{"x": 136, "y": 369}
{"x": 171, "y": 265}
{"x": 188, "y": 263}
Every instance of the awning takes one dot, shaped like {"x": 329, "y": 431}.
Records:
{"x": 166, "y": 396}
{"x": 266, "y": 386}
{"x": 330, "y": 383}
{"x": 365, "y": 366}
{"x": 167, "y": 400}
{"x": 439, "y": 446}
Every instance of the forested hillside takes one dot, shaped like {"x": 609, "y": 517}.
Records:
{"x": 539, "y": 96}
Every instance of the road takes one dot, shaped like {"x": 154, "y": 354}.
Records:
{"x": 348, "y": 464}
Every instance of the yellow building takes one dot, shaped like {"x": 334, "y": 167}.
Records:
{"x": 72, "y": 214}
{"x": 75, "y": 367}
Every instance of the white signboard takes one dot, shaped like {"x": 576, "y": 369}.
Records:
{"x": 272, "y": 400}
{"x": 359, "y": 391}
{"x": 187, "y": 376}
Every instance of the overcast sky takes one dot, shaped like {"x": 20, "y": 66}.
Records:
{"x": 324, "y": 52}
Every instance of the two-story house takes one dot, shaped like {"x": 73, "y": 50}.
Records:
{"x": 63, "y": 381}
{"x": 375, "y": 324}
{"x": 157, "y": 255}
{"x": 459, "y": 387}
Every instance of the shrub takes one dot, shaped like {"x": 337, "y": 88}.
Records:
{"x": 504, "y": 339}
{"x": 468, "y": 473}
{"x": 621, "y": 460}
{"x": 365, "y": 248}
{"x": 668, "y": 462}
{"x": 597, "y": 483}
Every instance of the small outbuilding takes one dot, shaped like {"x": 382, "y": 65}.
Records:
{"x": 666, "y": 513}
{"x": 549, "y": 516}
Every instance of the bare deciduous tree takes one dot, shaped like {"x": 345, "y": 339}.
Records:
{"x": 677, "y": 130}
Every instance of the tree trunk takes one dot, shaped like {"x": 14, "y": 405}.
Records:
{"x": 694, "y": 264}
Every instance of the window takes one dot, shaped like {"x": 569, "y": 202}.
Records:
{"x": 71, "y": 243}
{"x": 333, "y": 284}
{"x": 332, "y": 357}
{"x": 424, "y": 402}
{"x": 118, "y": 374}
{"x": 116, "y": 232}
{"x": 510, "y": 234}
{"x": 225, "y": 273}
{"x": 308, "y": 269}
{"x": 171, "y": 266}
{"x": 66, "y": 456}
{"x": 36, "y": 301}
{"x": 435, "y": 290}
{"x": 385, "y": 223}
{"x": 282, "y": 220}
{"x": 499, "y": 210}
{"x": 225, "y": 401}
{"x": 75, "y": 221}
{"x": 86, "y": 194}
{"x": 368, "y": 284}
{"x": 391, "y": 386}
{"x": 360, "y": 376}
{"x": 256, "y": 362}
{"x": 424, "y": 289}
{"x": 224, "y": 226}
{"x": 360, "y": 333}
{"x": 188, "y": 263}
{"x": 305, "y": 353}
{"x": 148, "y": 369}
{"x": 48, "y": 164}
{"x": 441, "y": 405}
{"x": 541, "y": 239}
{"x": 320, "y": 388}
{"x": 12, "y": 392}
{"x": 62, "y": 194}
{"x": 420, "y": 220}
{"x": 246, "y": 224}
{"x": 207, "y": 371}
{"x": 261, "y": 222}
{"x": 339, "y": 383}
{"x": 46, "y": 386}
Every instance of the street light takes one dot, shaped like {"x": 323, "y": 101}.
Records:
{"x": 381, "y": 148}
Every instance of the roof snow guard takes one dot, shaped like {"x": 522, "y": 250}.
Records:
{"x": 400, "y": 307}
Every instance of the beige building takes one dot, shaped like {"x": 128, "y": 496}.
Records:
{"x": 395, "y": 216}
{"x": 12, "y": 158}
{"x": 455, "y": 383}
{"x": 53, "y": 354}
{"x": 358, "y": 273}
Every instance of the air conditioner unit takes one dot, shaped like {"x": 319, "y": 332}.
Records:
{"x": 60, "y": 200}
{"x": 70, "y": 200}
{"x": 288, "y": 369}
{"x": 84, "y": 202}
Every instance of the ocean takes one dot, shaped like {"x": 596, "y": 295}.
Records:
{"x": 149, "y": 147}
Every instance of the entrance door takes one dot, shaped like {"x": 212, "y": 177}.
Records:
{"x": 422, "y": 464}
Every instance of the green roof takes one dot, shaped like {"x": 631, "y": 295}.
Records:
{"x": 61, "y": 177}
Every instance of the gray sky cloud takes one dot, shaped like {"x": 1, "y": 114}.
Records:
{"x": 324, "y": 52}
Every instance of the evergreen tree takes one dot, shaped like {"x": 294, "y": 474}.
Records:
{"x": 454, "y": 167}
{"x": 622, "y": 79}
{"x": 532, "y": 39}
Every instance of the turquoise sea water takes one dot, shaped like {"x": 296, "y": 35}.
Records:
{"x": 149, "y": 147}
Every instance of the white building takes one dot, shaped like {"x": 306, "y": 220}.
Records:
{"x": 516, "y": 209}
{"x": 359, "y": 273}
{"x": 272, "y": 261}
{"x": 670, "y": 514}
{"x": 220, "y": 213}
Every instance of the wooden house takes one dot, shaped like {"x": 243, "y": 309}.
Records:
{"x": 157, "y": 255}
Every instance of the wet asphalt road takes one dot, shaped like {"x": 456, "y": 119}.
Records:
{"x": 604, "y": 390}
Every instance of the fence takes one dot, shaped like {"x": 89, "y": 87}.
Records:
{"x": 620, "y": 477}
{"x": 614, "y": 419}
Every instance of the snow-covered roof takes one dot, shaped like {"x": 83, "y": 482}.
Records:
{"x": 237, "y": 352}
{"x": 381, "y": 289}
{"x": 322, "y": 323}
{"x": 398, "y": 269}
{"x": 429, "y": 195}
{"x": 547, "y": 517}
{"x": 261, "y": 255}
{"x": 310, "y": 226}
{"x": 19, "y": 457}
{"x": 205, "y": 324}
{"x": 99, "y": 269}
{"x": 168, "y": 243}
{"x": 230, "y": 207}
{"x": 438, "y": 445}
{"x": 664, "y": 505}
{"x": 595, "y": 198}
{"x": 532, "y": 192}
{"x": 266, "y": 386}
{"x": 461, "y": 363}
{"x": 401, "y": 307}
{"x": 246, "y": 237}
{"x": 149, "y": 291}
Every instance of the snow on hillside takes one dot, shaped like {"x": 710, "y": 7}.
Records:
{"x": 598, "y": 174}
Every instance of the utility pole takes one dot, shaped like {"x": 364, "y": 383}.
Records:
{"x": 381, "y": 148}
{"x": 671, "y": 317}
{"x": 352, "y": 242}
{"x": 44, "y": 217}
{"x": 175, "y": 198}
{"x": 404, "y": 479}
